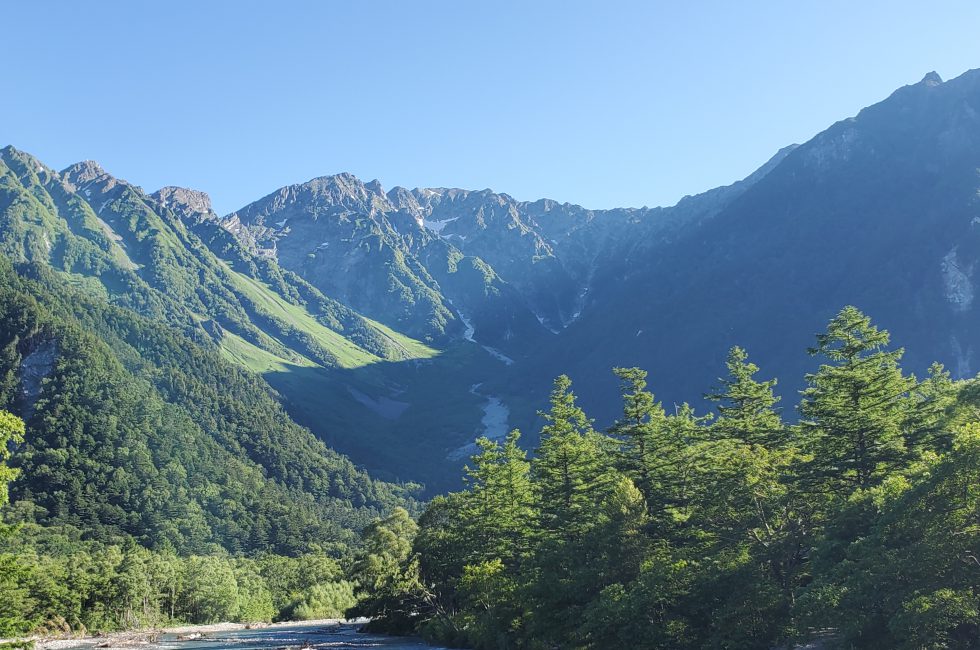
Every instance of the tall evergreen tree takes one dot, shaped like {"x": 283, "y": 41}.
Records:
{"x": 640, "y": 429}
{"x": 571, "y": 469}
{"x": 926, "y": 428}
{"x": 855, "y": 408}
{"x": 573, "y": 476}
{"x": 746, "y": 406}
{"x": 499, "y": 501}
{"x": 680, "y": 458}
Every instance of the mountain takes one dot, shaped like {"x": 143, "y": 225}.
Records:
{"x": 122, "y": 344}
{"x": 877, "y": 211}
{"x": 436, "y": 262}
{"x": 397, "y": 325}
{"x": 135, "y": 429}
{"x": 165, "y": 257}
{"x": 880, "y": 211}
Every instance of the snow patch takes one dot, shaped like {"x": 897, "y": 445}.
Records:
{"x": 281, "y": 224}
{"x": 437, "y": 226}
{"x": 470, "y": 330}
{"x": 959, "y": 287}
{"x": 962, "y": 357}
{"x": 544, "y": 324}
{"x": 498, "y": 355}
{"x": 493, "y": 425}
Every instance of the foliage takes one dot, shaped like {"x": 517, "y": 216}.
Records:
{"x": 54, "y": 579}
{"x": 147, "y": 433}
{"x": 676, "y": 531}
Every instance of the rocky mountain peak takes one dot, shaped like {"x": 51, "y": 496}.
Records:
{"x": 10, "y": 152}
{"x": 343, "y": 183}
{"x": 343, "y": 189}
{"x": 404, "y": 200}
{"x": 931, "y": 79}
{"x": 11, "y": 155}
{"x": 184, "y": 201}
{"x": 83, "y": 175}
{"x": 84, "y": 172}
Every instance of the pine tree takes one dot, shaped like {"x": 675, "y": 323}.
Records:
{"x": 640, "y": 429}
{"x": 571, "y": 470}
{"x": 854, "y": 408}
{"x": 926, "y": 428}
{"x": 499, "y": 501}
{"x": 679, "y": 457}
{"x": 746, "y": 406}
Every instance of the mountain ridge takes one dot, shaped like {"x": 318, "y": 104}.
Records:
{"x": 876, "y": 210}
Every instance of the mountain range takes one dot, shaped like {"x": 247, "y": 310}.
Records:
{"x": 397, "y": 325}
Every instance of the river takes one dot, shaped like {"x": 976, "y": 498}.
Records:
{"x": 275, "y": 637}
{"x": 331, "y": 636}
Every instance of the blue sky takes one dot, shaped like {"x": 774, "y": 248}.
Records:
{"x": 599, "y": 103}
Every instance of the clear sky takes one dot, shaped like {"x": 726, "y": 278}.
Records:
{"x": 599, "y": 103}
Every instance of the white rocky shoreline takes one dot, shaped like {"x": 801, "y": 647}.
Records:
{"x": 150, "y": 636}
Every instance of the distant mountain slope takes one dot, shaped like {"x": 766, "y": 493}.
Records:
{"x": 436, "y": 262}
{"x": 153, "y": 253}
{"x": 400, "y": 324}
{"x": 165, "y": 257}
{"x": 880, "y": 210}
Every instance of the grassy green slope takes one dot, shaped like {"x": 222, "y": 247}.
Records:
{"x": 364, "y": 388}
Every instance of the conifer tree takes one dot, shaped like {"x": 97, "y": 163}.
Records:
{"x": 499, "y": 501}
{"x": 854, "y": 408}
{"x": 640, "y": 429}
{"x": 746, "y": 406}
{"x": 926, "y": 428}
{"x": 680, "y": 455}
{"x": 571, "y": 469}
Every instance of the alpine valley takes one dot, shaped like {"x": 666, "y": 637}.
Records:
{"x": 398, "y": 325}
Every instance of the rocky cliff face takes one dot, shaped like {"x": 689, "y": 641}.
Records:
{"x": 429, "y": 260}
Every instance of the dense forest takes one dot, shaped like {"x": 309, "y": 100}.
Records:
{"x": 150, "y": 481}
{"x": 856, "y": 521}
{"x": 155, "y": 480}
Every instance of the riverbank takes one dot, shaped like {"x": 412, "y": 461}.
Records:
{"x": 130, "y": 639}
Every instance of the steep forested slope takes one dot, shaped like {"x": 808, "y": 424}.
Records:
{"x": 135, "y": 429}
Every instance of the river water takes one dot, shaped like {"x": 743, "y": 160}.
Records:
{"x": 328, "y": 637}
